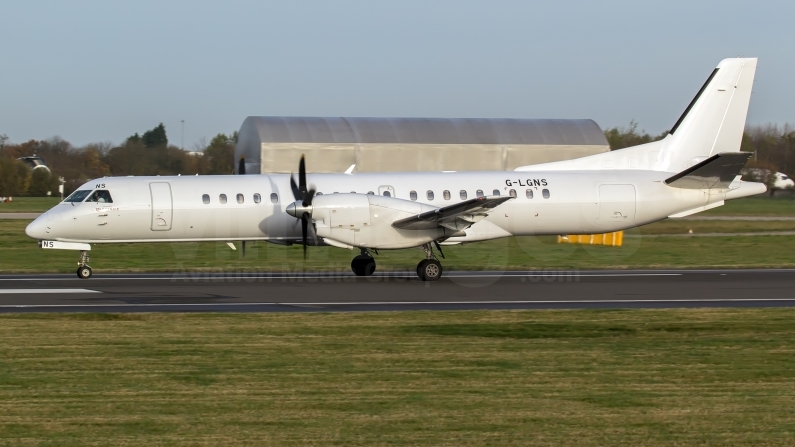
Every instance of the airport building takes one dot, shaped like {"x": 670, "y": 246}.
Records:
{"x": 274, "y": 144}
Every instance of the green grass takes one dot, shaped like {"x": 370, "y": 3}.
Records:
{"x": 29, "y": 204}
{"x": 547, "y": 378}
{"x": 21, "y": 254}
{"x": 682, "y": 226}
{"x": 755, "y": 206}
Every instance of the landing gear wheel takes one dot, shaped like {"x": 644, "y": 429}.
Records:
{"x": 421, "y": 266}
{"x": 363, "y": 265}
{"x": 84, "y": 272}
{"x": 429, "y": 270}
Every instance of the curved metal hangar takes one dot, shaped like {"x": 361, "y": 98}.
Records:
{"x": 272, "y": 144}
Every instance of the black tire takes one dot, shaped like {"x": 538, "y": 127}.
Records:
{"x": 363, "y": 265}
{"x": 420, "y": 267}
{"x": 431, "y": 270}
{"x": 84, "y": 272}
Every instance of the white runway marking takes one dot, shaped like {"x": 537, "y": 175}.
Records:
{"x": 209, "y": 277}
{"x": 15, "y": 291}
{"x": 392, "y": 303}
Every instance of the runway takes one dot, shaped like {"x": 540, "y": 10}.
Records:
{"x": 341, "y": 291}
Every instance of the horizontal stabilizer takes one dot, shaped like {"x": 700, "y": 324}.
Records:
{"x": 717, "y": 171}
{"x": 457, "y": 217}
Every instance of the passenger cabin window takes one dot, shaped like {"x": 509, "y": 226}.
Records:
{"x": 274, "y": 198}
{"x": 413, "y": 195}
{"x": 222, "y": 198}
{"x": 240, "y": 198}
{"x": 479, "y": 193}
{"x": 496, "y": 192}
{"x": 78, "y": 196}
{"x": 206, "y": 199}
{"x": 529, "y": 193}
{"x": 512, "y": 193}
{"x": 257, "y": 198}
{"x": 387, "y": 194}
{"x": 463, "y": 195}
{"x": 545, "y": 193}
{"x": 446, "y": 194}
{"x": 100, "y": 196}
{"x": 429, "y": 195}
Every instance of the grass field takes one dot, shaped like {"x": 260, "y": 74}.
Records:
{"x": 29, "y": 204}
{"x": 755, "y": 206}
{"x": 547, "y": 378}
{"x": 21, "y": 254}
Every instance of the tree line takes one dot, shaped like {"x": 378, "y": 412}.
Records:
{"x": 151, "y": 154}
{"x": 146, "y": 154}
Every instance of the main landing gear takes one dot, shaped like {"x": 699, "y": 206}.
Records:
{"x": 364, "y": 264}
{"x": 83, "y": 270}
{"x": 430, "y": 269}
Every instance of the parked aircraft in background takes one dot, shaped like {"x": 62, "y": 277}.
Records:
{"x": 776, "y": 180}
{"x": 693, "y": 169}
{"x": 34, "y": 162}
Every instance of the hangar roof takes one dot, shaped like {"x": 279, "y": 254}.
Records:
{"x": 277, "y": 129}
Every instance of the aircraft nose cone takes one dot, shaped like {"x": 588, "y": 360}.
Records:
{"x": 38, "y": 228}
{"x": 297, "y": 209}
{"x": 291, "y": 210}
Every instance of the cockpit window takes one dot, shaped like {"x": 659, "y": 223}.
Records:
{"x": 78, "y": 196}
{"x": 100, "y": 196}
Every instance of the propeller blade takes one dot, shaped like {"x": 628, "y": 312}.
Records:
{"x": 302, "y": 175}
{"x": 243, "y": 247}
{"x": 304, "y": 224}
{"x": 308, "y": 196}
{"x": 312, "y": 233}
{"x": 294, "y": 187}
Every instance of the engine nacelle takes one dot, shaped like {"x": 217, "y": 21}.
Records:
{"x": 365, "y": 220}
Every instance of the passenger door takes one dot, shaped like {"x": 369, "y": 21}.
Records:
{"x": 162, "y": 207}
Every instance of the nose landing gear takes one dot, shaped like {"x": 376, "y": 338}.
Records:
{"x": 83, "y": 270}
{"x": 364, "y": 264}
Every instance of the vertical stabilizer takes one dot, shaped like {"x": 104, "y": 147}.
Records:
{"x": 715, "y": 119}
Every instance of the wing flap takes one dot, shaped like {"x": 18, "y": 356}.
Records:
{"x": 456, "y": 217}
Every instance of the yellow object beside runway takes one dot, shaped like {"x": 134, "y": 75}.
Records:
{"x": 610, "y": 239}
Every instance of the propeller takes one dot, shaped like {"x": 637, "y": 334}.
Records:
{"x": 305, "y": 196}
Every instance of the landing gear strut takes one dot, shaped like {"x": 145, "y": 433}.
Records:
{"x": 429, "y": 269}
{"x": 364, "y": 264}
{"x": 83, "y": 270}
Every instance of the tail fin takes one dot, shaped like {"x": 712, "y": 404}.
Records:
{"x": 715, "y": 119}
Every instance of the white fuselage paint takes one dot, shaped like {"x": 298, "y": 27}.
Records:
{"x": 579, "y": 202}
{"x": 601, "y": 193}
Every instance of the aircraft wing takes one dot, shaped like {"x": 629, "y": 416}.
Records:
{"x": 456, "y": 217}
{"x": 717, "y": 171}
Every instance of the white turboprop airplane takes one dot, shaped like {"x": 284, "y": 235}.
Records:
{"x": 693, "y": 169}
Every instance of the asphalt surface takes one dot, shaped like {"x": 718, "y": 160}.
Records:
{"x": 21, "y": 216}
{"x": 574, "y": 289}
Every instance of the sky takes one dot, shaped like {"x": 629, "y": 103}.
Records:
{"x": 100, "y": 71}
